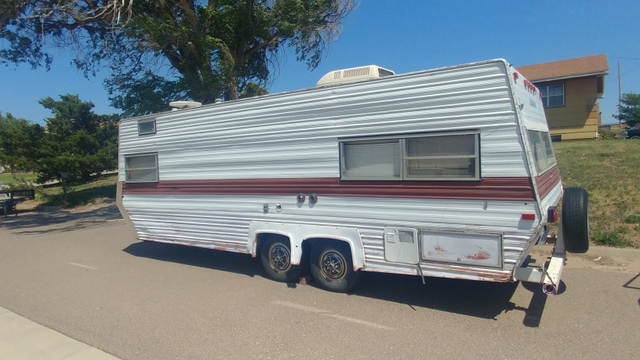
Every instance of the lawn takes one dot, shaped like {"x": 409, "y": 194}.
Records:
{"x": 6, "y": 178}
{"x": 98, "y": 189}
{"x": 610, "y": 172}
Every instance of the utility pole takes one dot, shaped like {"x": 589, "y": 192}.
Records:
{"x": 619, "y": 96}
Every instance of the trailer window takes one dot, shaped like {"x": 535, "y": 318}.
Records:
{"x": 451, "y": 156}
{"x": 542, "y": 150}
{"x": 371, "y": 160}
{"x": 146, "y": 127}
{"x": 141, "y": 168}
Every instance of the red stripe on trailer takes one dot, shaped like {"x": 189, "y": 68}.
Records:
{"x": 518, "y": 189}
{"x": 547, "y": 181}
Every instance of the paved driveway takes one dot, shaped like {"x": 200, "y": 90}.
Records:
{"x": 84, "y": 275}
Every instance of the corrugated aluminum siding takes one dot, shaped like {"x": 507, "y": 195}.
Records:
{"x": 222, "y": 221}
{"x": 295, "y": 135}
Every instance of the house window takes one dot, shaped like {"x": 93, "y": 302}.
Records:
{"x": 600, "y": 86}
{"x": 146, "y": 127}
{"x": 450, "y": 156}
{"x": 552, "y": 95}
{"x": 542, "y": 149}
{"x": 141, "y": 168}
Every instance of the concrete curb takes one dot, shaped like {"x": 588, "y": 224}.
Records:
{"x": 23, "y": 339}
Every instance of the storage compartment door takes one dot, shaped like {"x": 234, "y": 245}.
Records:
{"x": 401, "y": 245}
{"x": 462, "y": 248}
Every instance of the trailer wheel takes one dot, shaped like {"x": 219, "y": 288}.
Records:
{"x": 275, "y": 256}
{"x": 575, "y": 220}
{"x": 332, "y": 267}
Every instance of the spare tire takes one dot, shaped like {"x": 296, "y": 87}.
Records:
{"x": 575, "y": 220}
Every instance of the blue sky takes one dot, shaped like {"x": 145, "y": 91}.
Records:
{"x": 410, "y": 35}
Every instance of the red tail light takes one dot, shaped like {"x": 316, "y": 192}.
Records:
{"x": 552, "y": 215}
{"x": 528, "y": 216}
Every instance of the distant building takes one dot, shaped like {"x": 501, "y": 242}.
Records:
{"x": 570, "y": 92}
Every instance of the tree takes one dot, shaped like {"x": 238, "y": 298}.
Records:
{"x": 77, "y": 141}
{"x": 629, "y": 110}
{"x": 172, "y": 49}
{"x": 19, "y": 143}
{"x": 252, "y": 89}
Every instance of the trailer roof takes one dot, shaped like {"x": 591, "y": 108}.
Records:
{"x": 309, "y": 89}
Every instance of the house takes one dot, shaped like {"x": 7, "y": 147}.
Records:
{"x": 570, "y": 90}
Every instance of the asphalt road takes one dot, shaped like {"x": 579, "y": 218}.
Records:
{"x": 85, "y": 276}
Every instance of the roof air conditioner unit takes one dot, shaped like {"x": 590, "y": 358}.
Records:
{"x": 185, "y": 104}
{"x": 356, "y": 74}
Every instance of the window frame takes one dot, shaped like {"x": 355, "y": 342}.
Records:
{"x": 545, "y": 98}
{"x": 542, "y": 135}
{"x": 126, "y": 169}
{"x": 404, "y": 158}
{"x": 140, "y": 133}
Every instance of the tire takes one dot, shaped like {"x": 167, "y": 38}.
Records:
{"x": 575, "y": 220}
{"x": 275, "y": 256}
{"x": 332, "y": 266}
{"x": 635, "y": 137}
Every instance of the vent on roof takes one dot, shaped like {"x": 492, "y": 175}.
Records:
{"x": 184, "y": 104}
{"x": 353, "y": 74}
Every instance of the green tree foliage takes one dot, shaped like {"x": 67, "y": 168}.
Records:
{"x": 629, "y": 110}
{"x": 252, "y": 89}
{"x": 77, "y": 141}
{"x": 172, "y": 49}
{"x": 19, "y": 143}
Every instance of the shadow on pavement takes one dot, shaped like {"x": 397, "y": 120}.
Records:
{"x": 471, "y": 298}
{"x": 37, "y": 223}
{"x": 194, "y": 256}
{"x": 630, "y": 284}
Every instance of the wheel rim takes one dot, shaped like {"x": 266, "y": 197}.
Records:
{"x": 333, "y": 265}
{"x": 279, "y": 258}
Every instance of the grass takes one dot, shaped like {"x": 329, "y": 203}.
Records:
{"x": 98, "y": 189}
{"x": 6, "y": 178}
{"x": 609, "y": 170}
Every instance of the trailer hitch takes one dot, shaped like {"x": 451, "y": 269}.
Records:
{"x": 548, "y": 276}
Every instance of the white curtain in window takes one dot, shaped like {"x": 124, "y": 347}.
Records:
{"x": 374, "y": 160}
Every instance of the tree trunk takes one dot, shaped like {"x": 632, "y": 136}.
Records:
{"x": 231, "y": 93}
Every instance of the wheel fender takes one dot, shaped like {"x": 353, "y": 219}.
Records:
{"x": 299, "y": 233}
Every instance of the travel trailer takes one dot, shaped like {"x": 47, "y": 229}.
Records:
{"x": 448, "y": 173}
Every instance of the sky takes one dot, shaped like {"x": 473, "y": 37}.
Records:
{"x": 405, "y": 36}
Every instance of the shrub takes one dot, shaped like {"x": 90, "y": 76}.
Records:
{"x": 606, "y": 134}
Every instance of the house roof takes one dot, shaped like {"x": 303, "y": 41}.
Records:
{"x": 566, "y": 69}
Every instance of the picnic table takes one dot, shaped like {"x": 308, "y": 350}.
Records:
{"x": 9, "y": 199}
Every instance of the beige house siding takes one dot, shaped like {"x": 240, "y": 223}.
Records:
{"x": 579, "y": 118}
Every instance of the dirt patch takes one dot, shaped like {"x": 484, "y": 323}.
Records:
{"x": 97, "y": 204}
{"x": 35, "y": 206}
{"x": 602, "y": 263}
{"x": 597, "y": 261}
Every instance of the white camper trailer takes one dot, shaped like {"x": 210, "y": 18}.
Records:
{"x": 447, "y": 173}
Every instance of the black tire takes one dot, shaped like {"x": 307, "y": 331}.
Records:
{"x": 332, "y": 267}
{"x": 575, "y": 220}
{"x": 275, "y": 256}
